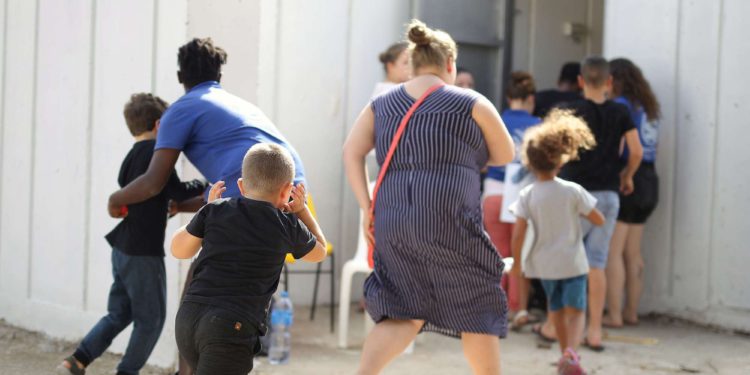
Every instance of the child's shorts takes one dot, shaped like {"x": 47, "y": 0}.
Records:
{"x": 570, "y": 292}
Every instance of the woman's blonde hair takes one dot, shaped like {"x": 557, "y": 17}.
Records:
{"x": 429, "y": 47}
{"x": 556, "y": 141}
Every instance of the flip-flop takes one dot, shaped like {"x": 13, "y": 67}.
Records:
{"x": 537, "y": 329}
{"x": 516, "y": 325}
{"x": 613, "y": 326}
{"x": 595, "y": 348}
{"x": 73, "y": 370}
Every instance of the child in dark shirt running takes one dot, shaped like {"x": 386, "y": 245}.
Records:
{"x": 600, "y": 172}
{"x": 138, "y": 293}
{"x": 245, "y": 241}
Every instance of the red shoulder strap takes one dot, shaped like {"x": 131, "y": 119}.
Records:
{"x": 391, "y": 151}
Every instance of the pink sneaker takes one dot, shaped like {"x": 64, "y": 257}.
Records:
{"x": 570, "y": 364}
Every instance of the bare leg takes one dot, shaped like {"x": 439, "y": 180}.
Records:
{"x": 558, "y": 320}
{"x": 387, "y": 340}
{"x": 524, "y": 285}
{"x": 482, "y": 352}
{"x": 634, "y": 271}
{"x": 597, "y": 292}
{"x": 616, "y": 275}
{"x": 575, "y": 320}
{"x": 548, "y": 328}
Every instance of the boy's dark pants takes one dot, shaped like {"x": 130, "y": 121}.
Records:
{"x": 137, "y": 295}
{"x": 215, "y": 341}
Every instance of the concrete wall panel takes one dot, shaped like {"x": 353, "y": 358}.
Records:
{"x": 18, "y": 118}
{"x": 730, "y": 285}
{"x": 60, "y": 152}
{"x": 657, "y": 57}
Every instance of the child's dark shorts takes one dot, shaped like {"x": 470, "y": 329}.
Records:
{"x": 570, "y": 292}
{"x": 638, "y": 206}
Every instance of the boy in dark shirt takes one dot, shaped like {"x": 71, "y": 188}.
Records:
{"x": 568, "y": 90}
{"x": 138, "y": 293}
{"x": 599, "y": 171}
{"x": 245, "y": 241}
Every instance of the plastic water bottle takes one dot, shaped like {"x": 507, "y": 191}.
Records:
{"x": 282, "y": 317}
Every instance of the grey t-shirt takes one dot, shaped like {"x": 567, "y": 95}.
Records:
{"x": 554, "y": 208}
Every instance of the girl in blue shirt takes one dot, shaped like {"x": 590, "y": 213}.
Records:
{"x": 625, "y": 263}
{"x": 520, "y": 95}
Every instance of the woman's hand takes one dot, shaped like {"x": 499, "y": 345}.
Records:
{"x": 216, "y": 191}
{"x": 367, "y": 226}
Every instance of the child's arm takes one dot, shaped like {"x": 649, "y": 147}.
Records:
{"x": 184, "y": 244}
{"x": 516, "y": 244}
{"x": 195, "y": 204}
{"x": 180, "y": 191}
{"x": 298, "y": 207}
{"x": 596, "y": 217}
{"x": 189, "y": 205}
{"x": 318, "y": 253}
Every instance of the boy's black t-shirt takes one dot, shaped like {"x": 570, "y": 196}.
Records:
{"x": 142, "y": 231}
{"x": 545, "y": 100}
{"x": 245, "y": 242}
{"x": 599, "y": 169}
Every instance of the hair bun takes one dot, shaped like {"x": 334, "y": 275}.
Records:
{"x": 383, "y": 57}
{"x": 419, "y": 33}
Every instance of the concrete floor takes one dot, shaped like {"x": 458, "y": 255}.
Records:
{"x": 679, "y": 348}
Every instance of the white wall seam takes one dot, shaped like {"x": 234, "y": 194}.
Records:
{"x": 32, "y": 156}
{"x": 714, "y": 155}
{"x": 277, "y": 62}
{"x": 675, "y": 156}
{"x": 154, "y": 46}
{"x": 89, "y": 158}
{"x": 532, "y": 34}
{"x": 345, "y": 119}
{"x": 2, "y": 106}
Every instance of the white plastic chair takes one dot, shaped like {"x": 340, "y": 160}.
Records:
{"x": 358, "y": 264}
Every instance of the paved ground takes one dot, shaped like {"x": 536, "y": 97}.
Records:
{"x": 679, "y": 349}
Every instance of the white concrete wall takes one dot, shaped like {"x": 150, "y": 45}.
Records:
{"x": 318, "y": 66}
{"x": 68, "y": 67}
{"x": 695, "y": 245}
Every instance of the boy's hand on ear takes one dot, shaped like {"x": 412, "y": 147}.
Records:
{"x": 216, "y": 191}
{"x": 298, "y": 199}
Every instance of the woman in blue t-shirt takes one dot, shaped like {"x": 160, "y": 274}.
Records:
{"x": 520, "y": 95}
{"x": 625, "y": 263}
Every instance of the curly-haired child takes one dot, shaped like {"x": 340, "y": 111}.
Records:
{"x": 553, "y": 208}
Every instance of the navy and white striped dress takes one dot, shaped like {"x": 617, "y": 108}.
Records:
{"x": 433, "y": 259}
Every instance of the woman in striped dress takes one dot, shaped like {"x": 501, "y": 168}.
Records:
{"x": 435, "y": 267}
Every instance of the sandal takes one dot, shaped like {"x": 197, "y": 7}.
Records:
{"x": 595, "y": 348}
{"x": 521, "y": 319}
{"x": 74, "y": 369}
{"x": 538, "y": 330}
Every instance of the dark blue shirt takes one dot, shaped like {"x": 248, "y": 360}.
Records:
{"x": 517, "y": 121}
{"x": 215, "y": 129}
{"x": 648, "y": 130}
